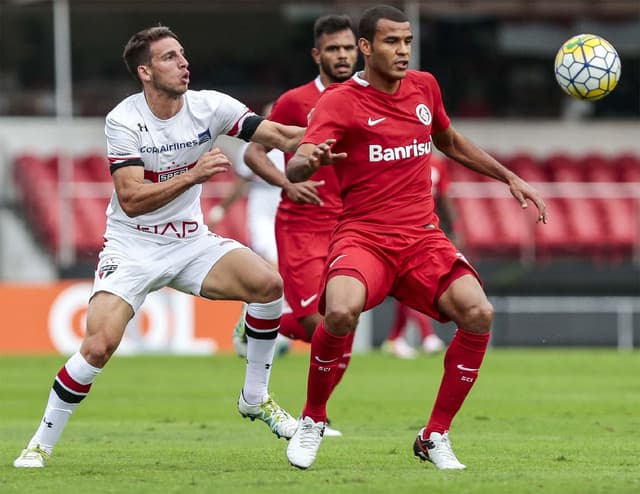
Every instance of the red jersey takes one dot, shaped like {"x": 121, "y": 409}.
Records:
{"x": 385, "y": 180}
{"x": 293, "y": 108}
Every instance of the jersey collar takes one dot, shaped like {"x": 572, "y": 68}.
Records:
{"x": 319, "y": 84}
{"x": 358, "y": 78}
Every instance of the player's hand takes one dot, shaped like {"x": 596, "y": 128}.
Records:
{"x": 304, "y": 192}
{"x": 210, "y": 163}
{"x": 323, "y": 155}
{"x": 522, "y": 191}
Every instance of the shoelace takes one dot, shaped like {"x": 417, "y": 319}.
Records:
{"x": 274, "y": 411}
{"x": 310, "y": 433}
{"x": 36, "y": 451}
{"x": 443, "y": 447}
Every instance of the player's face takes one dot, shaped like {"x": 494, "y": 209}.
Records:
{"x": 168, "y": 70}
{"x": 389, "y": 54}
{"x": 336, "y": 55}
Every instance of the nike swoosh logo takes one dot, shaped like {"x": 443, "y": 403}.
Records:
{"x": 463, "y": 368}
{"x": 326, "y": 361}
{"x": 375, "y": 122}
{"x": 306, "y": 301}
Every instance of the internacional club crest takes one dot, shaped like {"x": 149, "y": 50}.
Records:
{"x": 424, "y": 115}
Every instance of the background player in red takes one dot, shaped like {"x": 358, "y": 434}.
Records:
{"x": 304, "y": 224}
{"x": 430, "y": 342}
{"x": 378, "y": 129}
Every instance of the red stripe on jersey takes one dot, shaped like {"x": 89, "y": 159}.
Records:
{"x": 122, "y": 158}
{"x": 262, "y": 324}
{"x": 64, "y": 377}
{"x": 235, "y": 130}
{"x": 165, "y": 175}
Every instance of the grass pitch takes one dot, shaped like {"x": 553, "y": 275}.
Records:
{"x": 538, "y": 421}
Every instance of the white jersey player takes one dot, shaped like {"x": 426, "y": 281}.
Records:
{"x": 159, "y": 144}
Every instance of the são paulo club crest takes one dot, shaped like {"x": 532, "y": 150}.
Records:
{"x": 107, "y": 267}
{"x": 424, "y": 115}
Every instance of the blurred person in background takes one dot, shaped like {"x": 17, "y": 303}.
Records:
{"x": 160, "y": 150}
{"x": 377, "y": 130}
{"x": 304, "y": 224}
{"x": 262, "y": 204}
{"x": 430, "y": 342}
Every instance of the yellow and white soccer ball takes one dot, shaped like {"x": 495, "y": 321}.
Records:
{"x": 587, "y": 67}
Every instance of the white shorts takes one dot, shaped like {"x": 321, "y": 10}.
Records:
{"x": 131, "y": 267}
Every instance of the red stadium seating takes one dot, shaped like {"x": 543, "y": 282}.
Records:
{"x": 479, "y": 228}
{"x": 528, "y": 168}
{"x": 592, "y": 213}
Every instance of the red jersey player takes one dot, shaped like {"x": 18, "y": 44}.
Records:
{"x": 304, "y": 221}
{"x": 396, "y": 343}
{"x": 378, "y": 128}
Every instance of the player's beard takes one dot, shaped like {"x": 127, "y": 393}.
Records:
{"x": 329, "y": 70}
{"x": 169, "y": 91}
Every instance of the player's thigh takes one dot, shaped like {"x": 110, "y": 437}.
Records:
{"x": 371, "y": 276}
{"x": 466, "y": 303}
{"x": 241, "y": 274}
{"x": 429, "y": 269}
{"x": 346, "y": 292}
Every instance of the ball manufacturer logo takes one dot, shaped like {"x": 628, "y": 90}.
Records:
{"x": 423, "y": 113}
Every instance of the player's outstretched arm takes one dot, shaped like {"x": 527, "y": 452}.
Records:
{"x": 256, "y": 157}
{"x": 275, "y": 135}
{"x": 309, "y": 157}
{"x": 461, "y": 149}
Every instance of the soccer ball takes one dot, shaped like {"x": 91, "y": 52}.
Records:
{"x": 587, "y": 67}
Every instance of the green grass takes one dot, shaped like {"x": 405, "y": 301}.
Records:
{"x": 538, "y": 421}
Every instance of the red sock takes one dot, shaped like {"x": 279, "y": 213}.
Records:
{"x": 326, "y": 351}
{"x": 346, "y": 358}
{"x": 461, "y": 364}
{"x": 291, "y": 327}
{"x": 400, "y": 321}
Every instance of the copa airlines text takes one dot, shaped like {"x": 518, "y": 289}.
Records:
{"x": 164, "y": 148}
{"x": 378, "y": 153}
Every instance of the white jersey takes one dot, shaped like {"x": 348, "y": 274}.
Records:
{"x": 168, "y": 148}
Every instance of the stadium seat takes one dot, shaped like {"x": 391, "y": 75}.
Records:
{"x": 553, "y": 239}
{"x": 604, "y": 226}
{"x": 460, "y": 173}
{"x": 514, "y": 225}
{"x": 528, "y": 168}
{"x": 564, "y": 168}
{"x": 479, "y": 229}
{"x": 629, "y": 167}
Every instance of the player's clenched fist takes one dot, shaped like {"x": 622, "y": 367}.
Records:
{"x": 210, "y": 163}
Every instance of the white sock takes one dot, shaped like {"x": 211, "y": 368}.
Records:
{"x": 262, "y": 324}
{"x": 73, "y": 382}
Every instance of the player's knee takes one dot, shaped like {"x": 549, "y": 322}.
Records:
{"x": 479, "y": 317}
{"x": 341, "y": 321}
{"x": 97, "y": 350}
{"x": 270, "y": 288}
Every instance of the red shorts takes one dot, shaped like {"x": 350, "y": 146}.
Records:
{"x": 302, "y": 256}
{"x": 415, "y": 269}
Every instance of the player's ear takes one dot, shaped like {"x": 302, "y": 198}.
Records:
{"x": 315, "y": 54}
{"x": 144, "y": 73}
{"x": 365, "y": 46}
